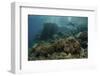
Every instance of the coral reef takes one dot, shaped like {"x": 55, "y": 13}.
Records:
{"x": 61, "y": 48}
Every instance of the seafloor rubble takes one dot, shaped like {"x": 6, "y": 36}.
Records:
{"x": 71, "y": 47}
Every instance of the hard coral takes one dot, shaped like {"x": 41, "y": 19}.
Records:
{"x": 63, "y": 48}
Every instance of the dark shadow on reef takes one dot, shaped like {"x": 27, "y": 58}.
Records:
{"x": 59, "y": 43}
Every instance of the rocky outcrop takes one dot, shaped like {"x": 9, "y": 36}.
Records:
{"x": 49, "y": 29}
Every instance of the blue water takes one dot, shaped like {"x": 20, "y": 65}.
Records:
{"x": 35, "y": 24}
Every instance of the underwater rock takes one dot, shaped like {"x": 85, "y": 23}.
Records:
{"x": 49, "y": 29}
